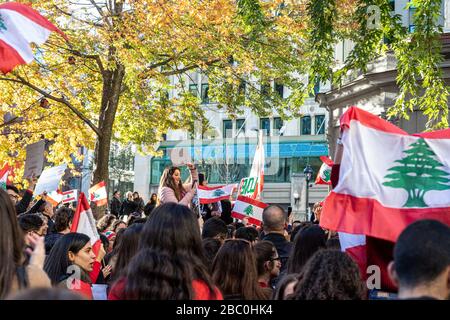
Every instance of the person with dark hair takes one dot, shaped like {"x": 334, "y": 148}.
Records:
{"x": 334, "y": 243}
{"x": 226, "y": 211}
{"x": 106, "y": 223}
{"x": 139, "y": 202}
{"x": 46, "y": 294}
{"x": 296, "y": 227}
{"x": 172, "y": 229}
{"x": 210, "y": 209}
{"x": 134, "y": 220}
{"x": 63, "y": 222}
{"x": 231, "y": 229}
{"x": 125, "y": 250}
{"x": 285, "y": 287}
{"x": 72, "y": 254}
{"x": 47, "y": 210}
{"x": 32, "y": 223}
{"x": 274, "y": 224}
{"x": 128, "y": 205}
{"x": 267, "y": 263}
{"x": 15, "y": 273}
{"x": 210, "y": 247}
{"x": 117, "y": 225}
{"x": 248, "y": 233}
{"x": 115, "y": 204}
{"x": 21, "y": 205}
{"x": 307, "y": 242}
{"x": 215, "y": 228}
{"x": 234, "y": 271}
{"x": 171, "y": 188}
{"x": 330, "y": 275}
{"x": 421, "y": 266}
{"x": 151, "y": 204}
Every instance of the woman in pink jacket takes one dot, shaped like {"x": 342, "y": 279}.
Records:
{"x": 171, "y": 189}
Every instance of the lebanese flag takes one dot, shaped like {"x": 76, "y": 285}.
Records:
{"x": 54, "y": 197}
{"x": 84, "y": 222}
{"x": 215, "y": 194}
{"x": 69, "y": 196}
{"x": 324, "y": 174}
{"x": 98, "y": 194}
{"x": 257, "y": 170}
{"x": 21, "y": 25}
{"x": 388, "y": 178}
{"x": 249, "y": 208}
{"x": 4, "y": 176}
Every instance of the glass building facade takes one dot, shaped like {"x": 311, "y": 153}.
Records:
{"x": 230, "y": 162}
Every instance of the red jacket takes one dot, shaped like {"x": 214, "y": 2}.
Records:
{"x": 201, "y": 291}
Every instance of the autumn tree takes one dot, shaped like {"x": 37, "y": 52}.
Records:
{"x": 110, "y": 81}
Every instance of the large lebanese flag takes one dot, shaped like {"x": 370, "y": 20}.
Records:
{"x": 257, "y": 170}
{"x": 388, "y": 178}
{"x": 249, "y": 208}
{"x": 21, "y": 25}
{"x": 215, "y": 194}
{"x": 84, "y": 222}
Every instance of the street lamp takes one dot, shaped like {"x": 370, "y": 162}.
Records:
{"x": 308, "y": 176}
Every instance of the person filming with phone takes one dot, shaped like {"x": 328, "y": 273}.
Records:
{"x": 171, "y": 189}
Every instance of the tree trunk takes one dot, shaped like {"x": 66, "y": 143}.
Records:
{"x": 112, "y": 85}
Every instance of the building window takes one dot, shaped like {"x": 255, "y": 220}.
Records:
{"x": 320, "y": 124}
{"x": 316, "y": 89}
{"x": 240, "y": 126}
{"x": 412, "y": 11}
{"x": 241, "y": 89}
{"x": 193, "y": 89}
{"x": 279, "y": 89}
{"x": 164, "y": 137}
{"x": 227, "y": 128}
{"x": 392, "y": 5}
{"x": 205, "y": 89}
{"x": 306, "y": 125}
{"x": 265, "y": 89}
{"x": 264, "y": 125}
{"x": 277, "y": 125}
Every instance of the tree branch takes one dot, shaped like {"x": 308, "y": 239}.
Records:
{"x": 90, "y": 23}
{"x": 194, "y": 66}
{"x": 80, "y": 115}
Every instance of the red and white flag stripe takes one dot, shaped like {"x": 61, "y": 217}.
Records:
{"x": 249, "y": 208}
{"x": 21, "y": 25}
{"x": 84, "y": 222}
{"x": 214, "y": 194}
{"x": 376, "y": 194}
{"x": 98, "y": 194}
{"x": 69, "y": 196}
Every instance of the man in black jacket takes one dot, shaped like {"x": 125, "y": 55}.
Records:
{"x": 274, "y": 228}
{"x": 22, "y": 205}
{"x": 421, "y": 266}
{"x": 115, "y": 204}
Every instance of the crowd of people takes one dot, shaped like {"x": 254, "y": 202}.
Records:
{"x": 174, "y": 248}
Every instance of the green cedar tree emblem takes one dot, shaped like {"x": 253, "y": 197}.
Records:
{"x": 3, "y": 185}
{"x": 2, "y": 24}
{"x": 418, "y": 173}
{"x": 218, "y": 193}
{"x": 327, "y": 174}
{"x": 249, "y": 210}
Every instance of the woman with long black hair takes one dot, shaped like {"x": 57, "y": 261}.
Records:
{"x": 172, "y": 235}
{"x": 15, "y": 272}
{"x": 70, "y": 261}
